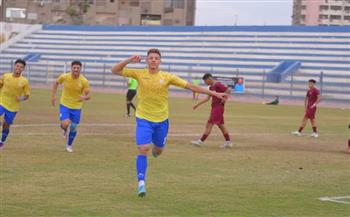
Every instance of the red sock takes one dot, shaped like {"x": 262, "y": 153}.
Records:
{"x": 314, "y": 129}
{"x": 204, "y": 137}
{"x": 227, "y": 137}
{"x": 300, "y": 129}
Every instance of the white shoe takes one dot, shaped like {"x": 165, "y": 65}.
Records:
{"x": 197, "y": 143}
{"x": 227, "y": 144}
{"x": 69, "y": 148}
{"x": 296, "y": 133}
{"x": 314, "y": 135}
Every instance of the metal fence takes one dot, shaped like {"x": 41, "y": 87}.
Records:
{"x": 332, "y": 86}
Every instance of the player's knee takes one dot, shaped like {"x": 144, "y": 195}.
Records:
{"x": 73, "y": 127}
{"x": 144, "y": 149}
{"x": 5, "y": 125}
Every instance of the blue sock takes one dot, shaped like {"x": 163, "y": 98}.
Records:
{"x": 71, "y": 137}
{"x": 5, "y": 133}
{"x": 72, "y": 133}
{"x": 141, "y": 167}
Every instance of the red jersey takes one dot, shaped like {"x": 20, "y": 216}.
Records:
{"x": 220, "y": 88}
{"x": 312, "y": 96}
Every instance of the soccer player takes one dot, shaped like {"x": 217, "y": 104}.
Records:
{"x": 152, "y": 108}
{"x": 14, "y": 89}
{"x": 311, "y": 101}
{"x": 217, "y": 111}
{"x": 75, "y": 92}
{"x": 274, "y": 102}
{"x": 132, "y": 87}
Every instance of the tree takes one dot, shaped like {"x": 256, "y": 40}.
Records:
{"x": 77, "y": 12}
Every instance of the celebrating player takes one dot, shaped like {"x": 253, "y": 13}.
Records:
{"x": 132, "y": 88}
{"x": 152, "y": 108}
{"x": 311, "y": 101}
{"x": 217, "y": 111}
{"x": 14, "y": 89}
{"x": 75, "y": 91}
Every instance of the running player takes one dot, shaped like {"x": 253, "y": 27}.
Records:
{"x": 75, "y": 92}
{"x": 152, "y": 108}
{"x": 132, "y": 88}
{"x": 14, "y": 89}
{"x": 311, "y": 101}
{"x": 217, "y": 111}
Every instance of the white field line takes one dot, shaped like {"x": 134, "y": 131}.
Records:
{"x": 337, "y": 199}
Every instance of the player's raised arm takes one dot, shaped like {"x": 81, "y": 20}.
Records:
{"x": 200, "y": 89}
{"x": 118, "y": 68}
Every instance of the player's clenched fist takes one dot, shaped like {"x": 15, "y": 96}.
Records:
{"x": 135, "y": 59}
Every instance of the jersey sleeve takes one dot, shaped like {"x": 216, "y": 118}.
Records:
{"x": 61, "y": 78}
{"x": 177, "y": 81}
{"x": 133, "y": 73}
{"x": 317, "y": 92}
{"x": 26, "y": 88}
{"x": 221, "y": 87}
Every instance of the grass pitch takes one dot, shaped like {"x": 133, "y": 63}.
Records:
{"x": 267, "y": 173}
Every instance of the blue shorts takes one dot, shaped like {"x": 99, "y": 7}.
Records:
{"x": 9, "y": 116}
{"x": 72, "y": 114}
{"x": 148, "y": 132}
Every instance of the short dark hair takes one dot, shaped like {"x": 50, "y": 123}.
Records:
{"x": 20, "y": 61}
{"x": 76, "y": 62}
{"x": 312, "y": 81}
{"x": 206, "y": 76}
{"x": 154, "y": 50}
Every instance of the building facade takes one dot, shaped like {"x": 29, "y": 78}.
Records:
{"x": 321, "y": 12}
{"x": 99, "y": 12}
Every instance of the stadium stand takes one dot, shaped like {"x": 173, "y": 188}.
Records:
{"x": 252, "y": 52}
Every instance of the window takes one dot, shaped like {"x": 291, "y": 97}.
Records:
{"x": 179, "y": 3}
{"x": 168, "y": 6}
{"x": 335, "y": 17}
{"x": 322, "y": 16}
{"x": 324, "y": 7}
{"x": 16, "y": 13}
{"x": 150, "y": 19}
{"x": 336, "y": 8}
{"x": 168, "y": 22}
{"x": 134, "y": 3}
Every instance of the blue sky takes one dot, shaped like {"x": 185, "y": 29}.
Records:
{"x": 243, "y": 12}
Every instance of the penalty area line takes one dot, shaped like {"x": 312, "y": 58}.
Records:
{"x": 336, "y": 199}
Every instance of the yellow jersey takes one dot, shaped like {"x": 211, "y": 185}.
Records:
{"x": 72, "y": 90}
{"x": 11, "y": 88}
{"x": 152, "y": 92}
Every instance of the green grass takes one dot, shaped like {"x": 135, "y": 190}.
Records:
{"x": 267, "y": 173}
